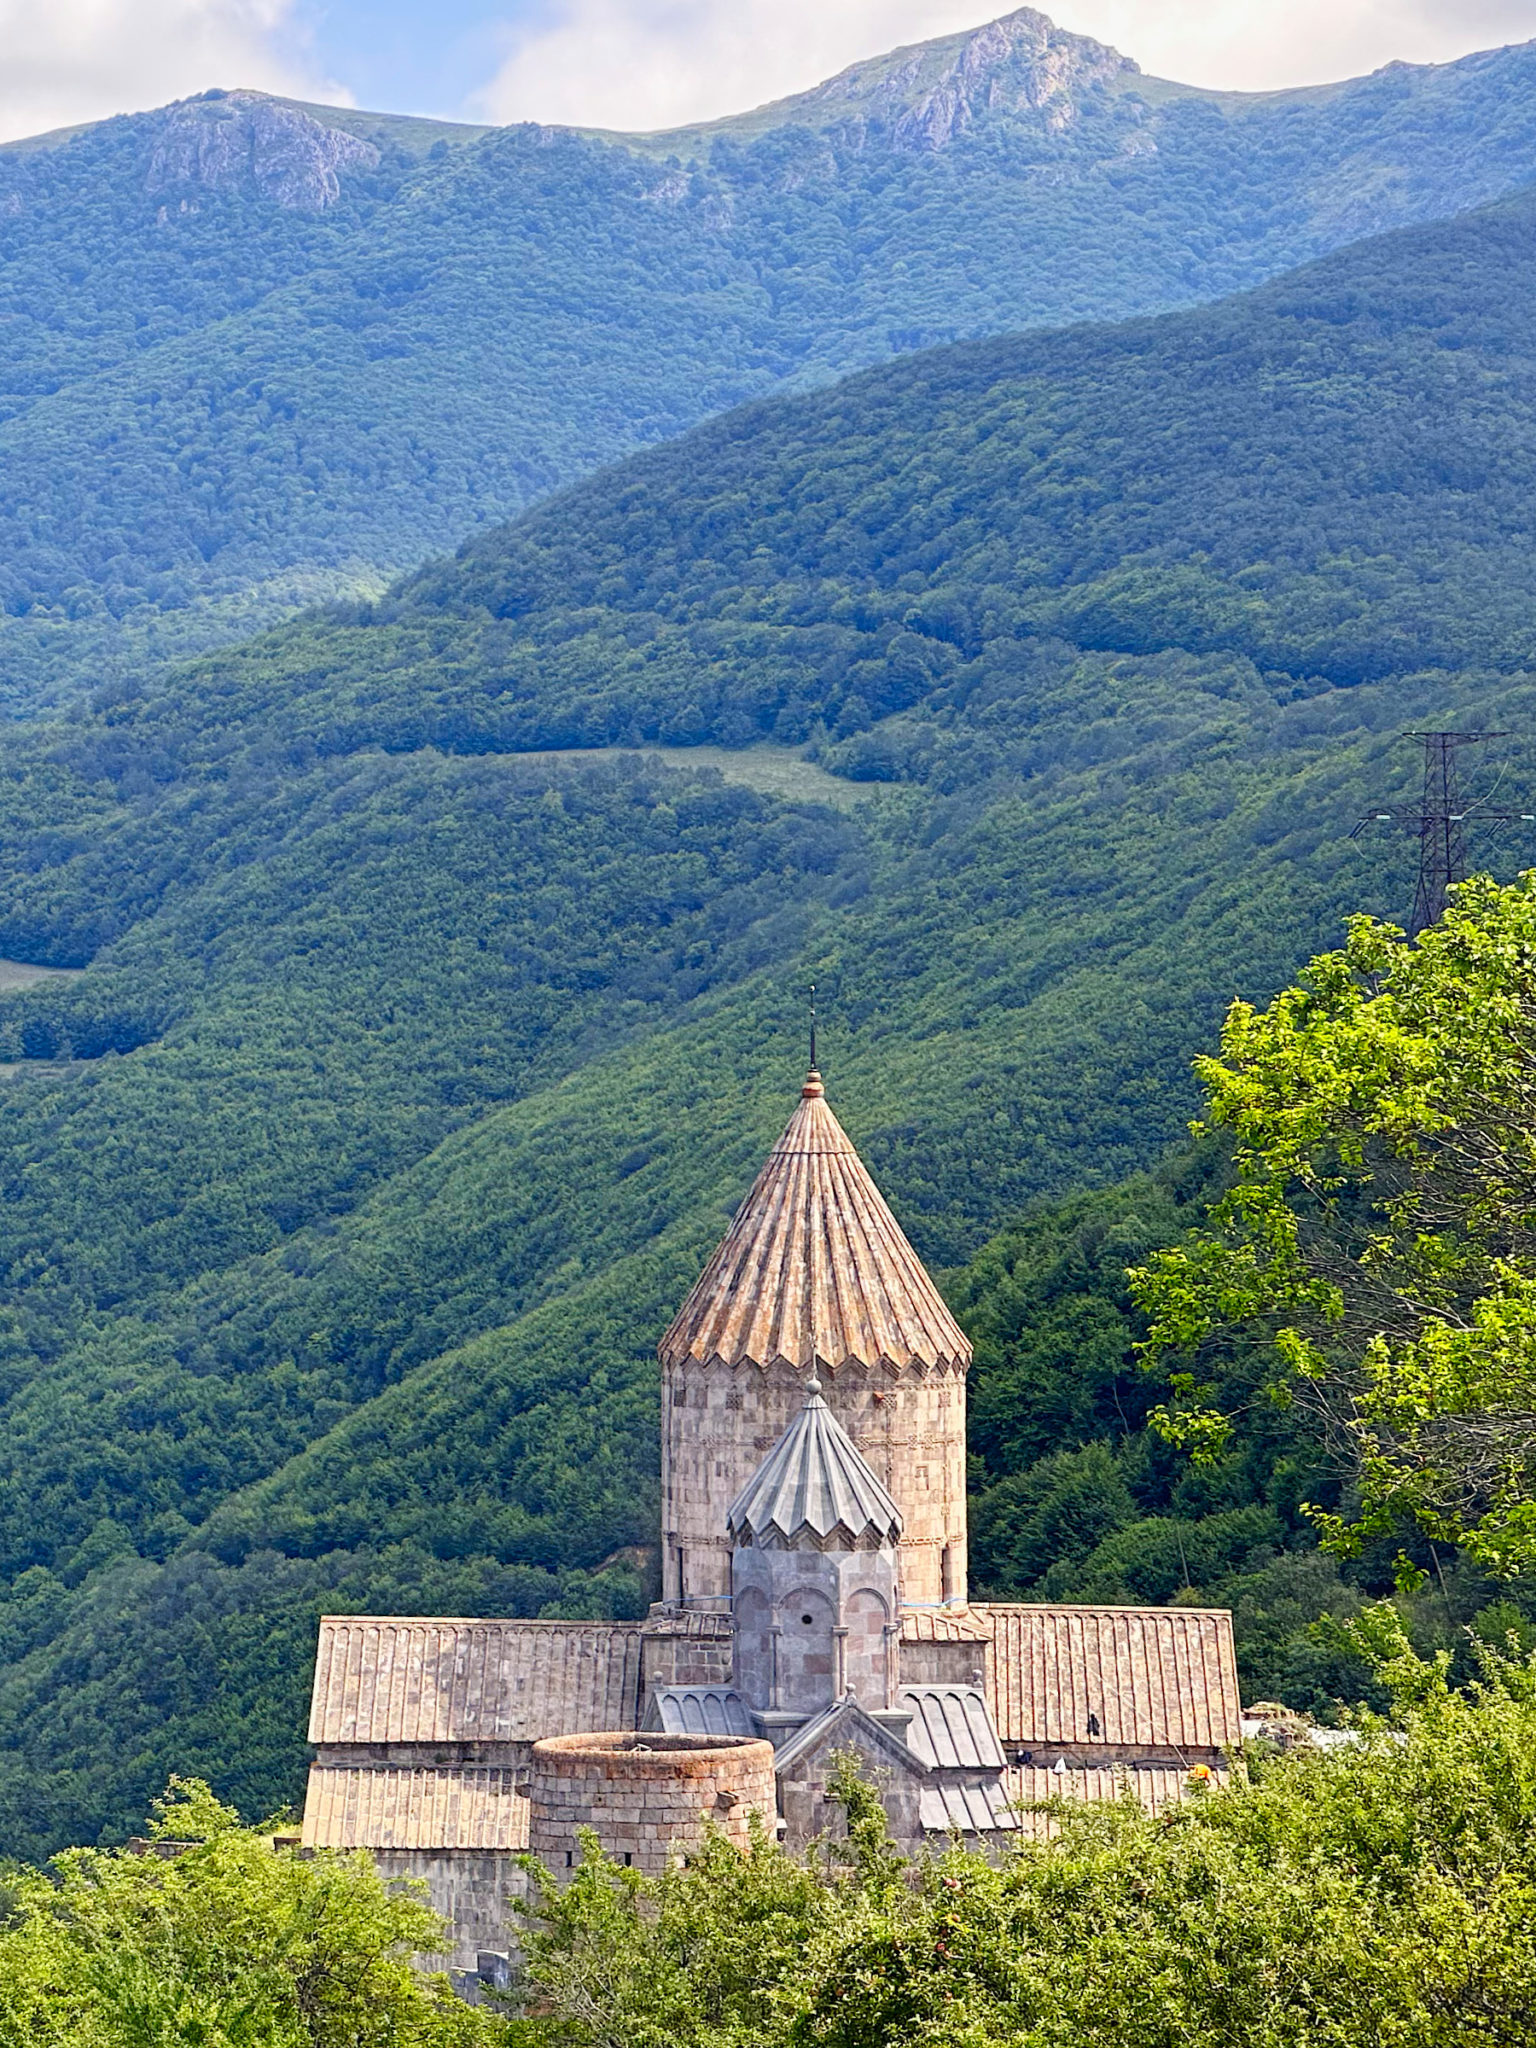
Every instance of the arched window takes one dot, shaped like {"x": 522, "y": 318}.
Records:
{"x": 867, "y": 1646}
{"x": 805, "y": 1650}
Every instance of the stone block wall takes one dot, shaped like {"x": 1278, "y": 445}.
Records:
{"x": 719, "y": 1422}
{"x": 684, "y": 1655}
{"x": 471, "y": 1889}
{"x": 939, "y": 1663}
{"x": 814, "y": 1623}
{"x": 647, "y": 1797}
{"x": 812, "y": 1814}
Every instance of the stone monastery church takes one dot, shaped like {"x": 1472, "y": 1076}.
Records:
{"x": 814, "y": 1602}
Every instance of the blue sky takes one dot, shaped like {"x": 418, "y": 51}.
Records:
{"x": 450, "y": 56}
{"x": 401, "y": 55}
{"x": 649, "y": 63}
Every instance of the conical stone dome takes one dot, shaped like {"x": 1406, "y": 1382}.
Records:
{"x": 811, "y": 1483}
{"x": 814, "y": 1279}
{"x": 815, "y": 1272}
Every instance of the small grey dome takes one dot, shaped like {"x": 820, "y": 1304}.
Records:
{"x": 814, "y": 1481}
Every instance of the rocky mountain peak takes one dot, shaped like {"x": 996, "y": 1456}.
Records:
{"x": 225, "y": 141}
{"x": 932, "y": 92}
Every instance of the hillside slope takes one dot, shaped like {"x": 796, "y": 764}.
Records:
{"x": 350, "y": 1184}
{"x": 254, "y": 353}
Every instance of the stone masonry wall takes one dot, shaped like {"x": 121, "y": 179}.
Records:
{"x": 647, "y": 1797}
{"x": 958, "y": 1663}
{"x": 718, "y": 1423}
{"x": 684, "y": 1659}
{"x": 470, "y": 1888}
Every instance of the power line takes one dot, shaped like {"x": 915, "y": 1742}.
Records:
{"x": 1440, "y": 820}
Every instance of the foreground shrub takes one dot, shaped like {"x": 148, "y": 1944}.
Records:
{"x": 224, "y": 1944}
{"x": 1384, "y": 1893}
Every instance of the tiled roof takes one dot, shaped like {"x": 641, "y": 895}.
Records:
{"x": 814, "y": 1479}
{"x": 406, "y": 1680}
{"x": 1159, "y": 1676}
{"x": 815, "y": 1271}
{"x": 453, "y": 1808}
{"x": 943, "y": 1625}
{"x": 1156, "y": 1788}
{"x": 951, "y": 1728}
{"x": 698, "y": 1624}
{"x": 699, "y": 1710}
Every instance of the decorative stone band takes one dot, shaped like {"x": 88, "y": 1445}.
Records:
{"x": 648, "y": 1798}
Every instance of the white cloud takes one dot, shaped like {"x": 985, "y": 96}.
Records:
{"x": 67, "y": 61}
{"x": 655, "y": 63}
{"x": 641, "y": 64}
{"x": 1247, "y": 46}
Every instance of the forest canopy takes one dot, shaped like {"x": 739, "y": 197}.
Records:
{"x": 238, "y": 379}
{"x": 398, "y": 1069}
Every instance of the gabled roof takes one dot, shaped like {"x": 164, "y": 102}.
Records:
{"x": 847, "y": 1725}
{"x": 698, "y": 1710}
{"x": 815, "y": 1271}
{"x": 951, "y": 1729}
{"x": 812, "y": 1482}
{"x": 1164, "y": 1677}
{"x": 402, "y": 1679}
{"x": 975, "y": 1809}
{"x": 375, "y": 1807}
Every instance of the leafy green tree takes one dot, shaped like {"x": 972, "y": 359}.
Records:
{"x": 221, "y": 1941}
{"x": 702, "y": 1955}
{"x": 1381, "y": 1229}
{"x": 1380, "y": 1893}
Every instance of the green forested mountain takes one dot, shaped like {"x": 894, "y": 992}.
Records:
{"x": 413, "y": 1065}
{"x": 252, "y": 353}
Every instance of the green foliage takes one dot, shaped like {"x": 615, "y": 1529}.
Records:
{"x": 1378, "y": 1231}
{"x": 350, "y": 1184}
{"x": 216, "y": 407}
{"x": 1385, "y": 1892}
{"x": 794, "y": 573}
{"x": 1074, "y": 1497}
{"x": 1052, "y": 1515}
{"x": 221, "y": 1942}
{"x": 702, "y": 1955}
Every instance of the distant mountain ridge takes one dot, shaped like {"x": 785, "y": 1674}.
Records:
{"x": 929, "y": 93}
{"x": 255, "y": 354}
{"x": 222, "y": 142}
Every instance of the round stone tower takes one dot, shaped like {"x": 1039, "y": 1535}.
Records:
{"x": 647, "y": 1797}
{"x": 813, "y": 1278}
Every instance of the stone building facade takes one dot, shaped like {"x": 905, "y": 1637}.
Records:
{"x": 815, "y": 1602}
